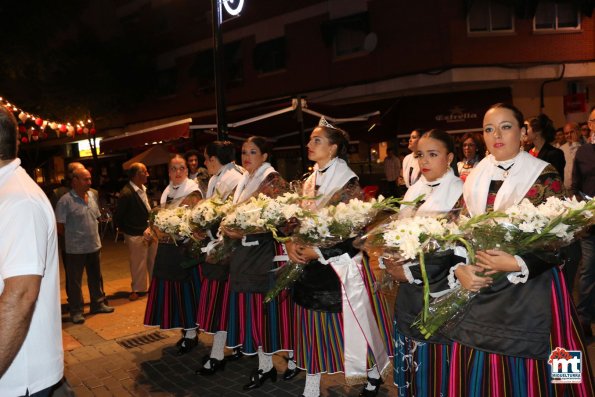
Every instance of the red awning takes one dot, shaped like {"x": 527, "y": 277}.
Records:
{"x": 157, "y": 134}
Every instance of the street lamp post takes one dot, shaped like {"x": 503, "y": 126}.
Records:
{"x": 233, "y": 8}
{"x": 217, "y": 16}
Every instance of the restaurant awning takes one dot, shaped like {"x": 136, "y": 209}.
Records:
{"x": 156, "y": 155}
{"x": 156, "y": 134}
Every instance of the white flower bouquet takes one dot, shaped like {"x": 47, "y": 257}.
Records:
{"x": 327, "y": 227}
{"x": 173, "y": 221}
{"x": 262, "y": 214}
{"x": 520, "y": 229}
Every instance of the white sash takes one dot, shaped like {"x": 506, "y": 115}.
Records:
{"x": 517, "y": 181}
{"x": 335, "y": 177}
{"x": 438, "y": 199}
{"x": 410, "y": 162}
{"x": 250, "y": 183}
{"x": 360, "y": 329}
{"x": 182, "y": 190}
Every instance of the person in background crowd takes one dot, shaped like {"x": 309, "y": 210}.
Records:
{"x": 502, "y": 344}
{"x": 77, "y": 214}
{"x": 559, "y": 138}
{"x": 31, "y": 355}
{"x": 410, "y": 165}
{"x": 392, "y": 171}
{"x": 540, "y": 132}
{"x": 583, "y": 186}
{"x": 573, "y": 142}
{"x": 213, "y": 307}
{"x": 415, "y": 373}
{"x": 585, "y": 133}
{"x": 131, "y": 217}
{"x": 473, "y": 152}
{"x": 175, "y": 286}
{"x": 320, "y": 326}
{"x": 196, "y": 172}
{"x": 571, "y": 253}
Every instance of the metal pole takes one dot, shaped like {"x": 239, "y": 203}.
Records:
{"x": 300, "y": 119}
{"x": 218, "y": 64}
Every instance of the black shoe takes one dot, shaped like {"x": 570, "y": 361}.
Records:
{"x": 235, "y": 356}
{"x": 77, "y": 318}
{"x": 258, "y": 377}
{"x": 374, "y": 392}
{"x": 291, "y": 373}
{"x": 187, "y": 345}
{"x": 215, "y": 365}
{"x": 101, "y": 308}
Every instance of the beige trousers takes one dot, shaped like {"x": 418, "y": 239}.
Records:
{"x": 142, "y": 259}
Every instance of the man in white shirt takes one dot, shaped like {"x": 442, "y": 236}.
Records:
{"x": 31, "y": 356}
{"x": 573, "y": 142}
{"x": 392, "y": 171}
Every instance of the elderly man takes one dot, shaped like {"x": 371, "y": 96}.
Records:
{"x": 76, "y": 214}
{"x": 131, "y": 217}
{"x": 573, "y": 142}
{"x": 31, "y": 357}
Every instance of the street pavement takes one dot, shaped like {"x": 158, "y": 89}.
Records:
{"x": 116, "y": 355}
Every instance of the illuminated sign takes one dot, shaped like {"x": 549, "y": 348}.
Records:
{"x": 233, "y": 7}
{"x": 85, "y": 147}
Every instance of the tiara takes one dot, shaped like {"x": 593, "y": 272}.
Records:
{"x": 324, "y": 123}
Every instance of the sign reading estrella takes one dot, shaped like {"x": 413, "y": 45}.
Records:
{"x": 233, "y": 7}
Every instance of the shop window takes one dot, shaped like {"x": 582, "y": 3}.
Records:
{"x": 490, "y": 16}
{"x": 269, "y": 56}
{"x": 556, "y": 16}
{"x": 203, "y": 67}
{"x": 346, "y": 35}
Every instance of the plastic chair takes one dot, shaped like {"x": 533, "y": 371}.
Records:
{"x": 370, "y": 192}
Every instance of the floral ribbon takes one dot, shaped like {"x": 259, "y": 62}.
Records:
{"x": 360, "y": 329}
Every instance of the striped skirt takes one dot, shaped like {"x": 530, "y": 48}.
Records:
{"x": 252, "y": 323}
{"x": 420, "y": 368}
{"x": 475, "y": 373}
{"x": 172, "y": 304}
{"x": 213, "y": 307}
{"x": 319, "y": 346}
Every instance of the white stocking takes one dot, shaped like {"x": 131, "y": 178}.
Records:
{"x": 312, "y": 388}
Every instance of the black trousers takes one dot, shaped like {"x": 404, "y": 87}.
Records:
{"x": 75, "y": 264}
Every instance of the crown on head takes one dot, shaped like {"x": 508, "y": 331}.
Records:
{"x": 324, "y": 123}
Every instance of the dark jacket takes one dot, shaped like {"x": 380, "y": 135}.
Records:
{"x": 131, "y": 213}
{"x": 553, "y": 156}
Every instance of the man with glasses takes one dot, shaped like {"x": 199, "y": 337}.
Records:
{"x": 132, "y": 215}
{"x": 583, "y": 186}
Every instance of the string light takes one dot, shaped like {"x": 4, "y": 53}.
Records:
{"x": 38, "y": 125}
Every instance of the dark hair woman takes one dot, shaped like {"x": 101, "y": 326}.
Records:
{"x": 320, "y": 323}
{"x": 442, "y": 191}
{"x": 214, "y": 293}
{"x": 473, "y": 150}
{"x": 540, "y": 132}
{"x": 531, "y": 306}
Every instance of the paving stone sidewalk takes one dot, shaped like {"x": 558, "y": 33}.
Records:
{"x": 115, "y": 355}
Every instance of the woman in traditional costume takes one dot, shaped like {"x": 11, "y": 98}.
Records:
{"x": 175, "y": 284}
{"x": 503, "y": 343}
{"x": 213, "y": 307}
{"x": 420, "y": 364}
{"x": 338, "y": 319}
{"x": 473, "y": 152}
